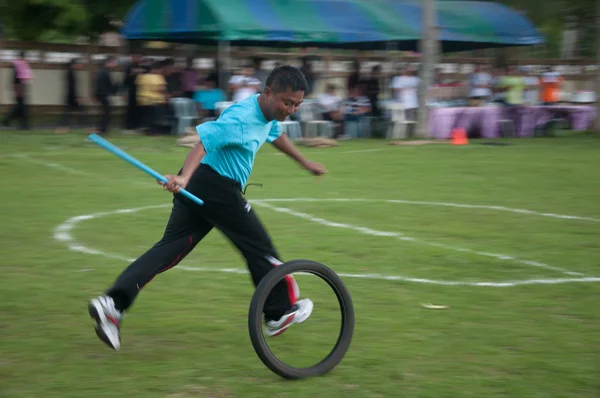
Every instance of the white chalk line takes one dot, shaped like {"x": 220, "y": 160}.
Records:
{"x": 57, "y": 166}
{"x": 403, "y": 237}
{"x": 418, "y": 280}
{"x": 441, "y": 204}
{"x": 62, "y": 233}
{"x": 60, "y": 167}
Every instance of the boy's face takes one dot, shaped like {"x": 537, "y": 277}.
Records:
{"x": 282, "y": 104}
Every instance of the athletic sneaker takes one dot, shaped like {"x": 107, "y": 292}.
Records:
{"x": 297, "y": 314}
{"x": 108, "y": 320}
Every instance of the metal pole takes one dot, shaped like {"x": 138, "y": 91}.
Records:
{"x": 597, "y": 124}
{"x": 428, "y": 58}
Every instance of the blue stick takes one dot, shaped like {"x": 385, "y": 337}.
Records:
{"x": 95, "y": 138}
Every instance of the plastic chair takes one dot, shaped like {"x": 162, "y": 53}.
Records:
{"x": 292, "y": 129}
{"x": 309, "y": 115}
{"x": 185, "y": 114}
{"x": 398, "y": 124}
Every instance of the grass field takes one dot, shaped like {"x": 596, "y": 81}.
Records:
{"x": 522, "y": 287}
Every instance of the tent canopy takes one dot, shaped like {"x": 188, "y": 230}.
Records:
{"x": 361, "y": 24}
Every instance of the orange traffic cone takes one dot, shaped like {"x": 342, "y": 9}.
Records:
{"x": 459, "y": 137}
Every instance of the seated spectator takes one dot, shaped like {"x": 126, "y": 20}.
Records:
{"x": 331, "y": 103}
{"x": 357, "y": 105}
{"x": 207, "y": 96}
{"x": 332, "y": 108}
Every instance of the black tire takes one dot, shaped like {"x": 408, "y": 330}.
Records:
{"x": 255, "y": 319}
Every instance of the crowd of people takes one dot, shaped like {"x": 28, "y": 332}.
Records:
{"x": 148, "y": 86}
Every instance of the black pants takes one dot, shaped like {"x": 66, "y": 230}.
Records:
{"x": 19, "y": 111}
{"x": 225, "y": 208}
{"x": 104, "y": 124}
{"x": 72, "y": 106}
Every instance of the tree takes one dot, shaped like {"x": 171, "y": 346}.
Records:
{"x": 36, "y": 19}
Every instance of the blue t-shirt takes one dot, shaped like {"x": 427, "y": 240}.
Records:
{"x": 231, "y": 142}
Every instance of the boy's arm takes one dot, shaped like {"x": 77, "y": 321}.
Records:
{"x": 192, "y": 161}
{"x": 286, "y": 146}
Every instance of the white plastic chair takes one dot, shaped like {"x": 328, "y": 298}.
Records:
{"x": 185, "y": 112}
{"x": 309, "y": 115}
{"x": 359, "y": 128}
{"x": 292, "y": 129}
{"x": 398, "y": 123}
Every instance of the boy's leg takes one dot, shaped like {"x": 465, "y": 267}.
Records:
{"x": 248, "y": 234}
{"x": 183, "y": 232}
{"x": 233, "y": 216}
{"x": 282, "y": 308}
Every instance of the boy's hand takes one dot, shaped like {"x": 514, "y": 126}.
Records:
{"x": 315, "y": 168}
{"x": 174, "y": 184}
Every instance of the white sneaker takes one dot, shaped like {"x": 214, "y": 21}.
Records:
{"x": 108, "y": 320}
{"x": 297, "y": 314}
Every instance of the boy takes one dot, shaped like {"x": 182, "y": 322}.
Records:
{"x": 215, "y": 170}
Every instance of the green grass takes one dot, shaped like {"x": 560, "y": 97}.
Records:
{"x": 186, "y": 336}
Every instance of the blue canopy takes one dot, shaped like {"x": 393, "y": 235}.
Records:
{"x": 364, "y": 24}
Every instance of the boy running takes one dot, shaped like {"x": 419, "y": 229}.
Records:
{"x": 215, "y": 170}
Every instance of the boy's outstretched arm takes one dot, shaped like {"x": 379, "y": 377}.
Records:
{"x": 286, "y": 146}
{"x": 192, "y": 161}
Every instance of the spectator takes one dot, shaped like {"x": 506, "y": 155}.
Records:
{"x": 371, "y": 83}
{"x": 22, "y": 77}
{"x": 189, "y": 78}
{"x": 498, "y": 91}
{"x": 405, "y": 88}
{"x": 551, "y": 83}
{"x": 152, "y": 97}
{"x": 354, "y": 78}
{"x": 480, "y": 85}
{"x": 260, "y": 74}
{"x": 103, "y": 91}
{"x": 357, "y": 105}
{"x": 72, "y": 99}
{"x": 173, "y": 79}
{"x": 244, "y": 85}
{"x": 532, "y": 85}
{"x": 332, "y": 108}
{"x": 207, "y": 97}
{"x": 132, "y": 112}
{"x": 514, "y": 86}
{"x": 309, "y": 75}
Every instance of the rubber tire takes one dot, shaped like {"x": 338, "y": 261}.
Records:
{"x": 255, "y": 319}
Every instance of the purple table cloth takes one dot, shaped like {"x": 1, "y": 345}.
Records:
{"x": 487, "y": 119}
{"x": 528, "y": 118}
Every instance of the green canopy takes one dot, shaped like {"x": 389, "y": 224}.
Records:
{"x": 327, "y": 23}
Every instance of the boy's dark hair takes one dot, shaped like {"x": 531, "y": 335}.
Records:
{"x": 287, "y": 77}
